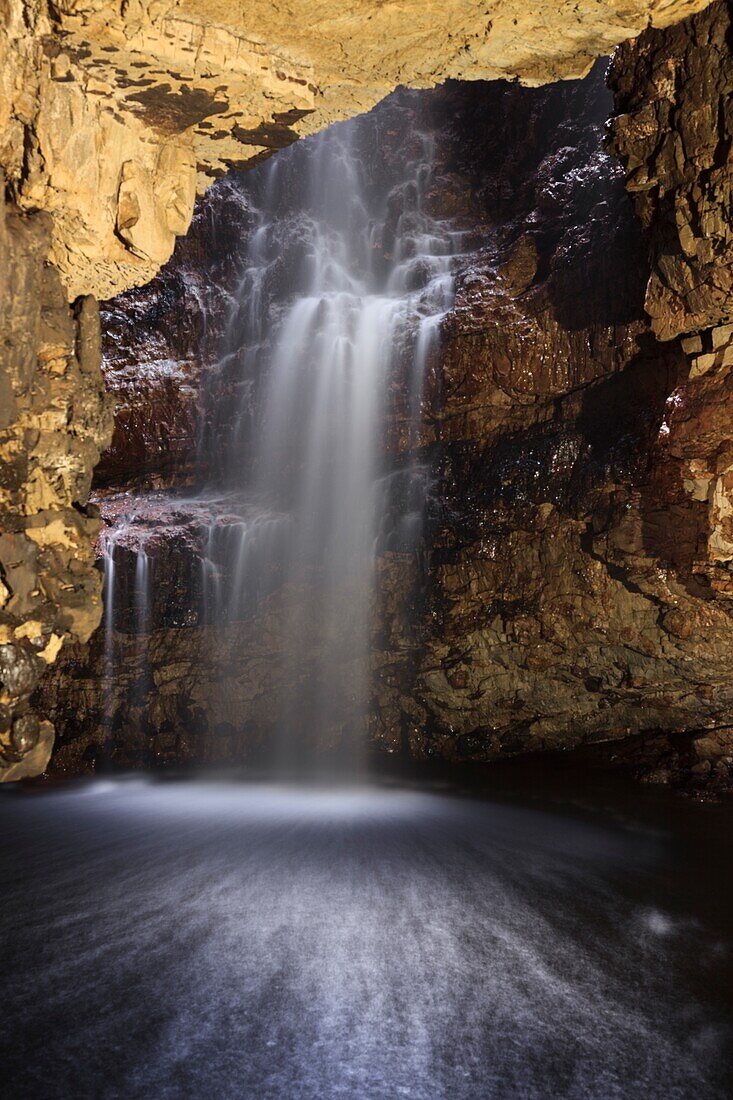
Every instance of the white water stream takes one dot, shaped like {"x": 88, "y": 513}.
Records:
{"x": 332, "y": 353}
{"x": 345, "y": 281}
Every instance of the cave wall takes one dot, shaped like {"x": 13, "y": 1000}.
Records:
{"x": 580, "y": 578}
{"x": 159, "y": 343}
{"x": 112, "y": 115}
{"x": 114, "y": 112}
{"x": 672, "y": 131}
{"x": 570, "y": 588}
{"x": 54, "y": 421}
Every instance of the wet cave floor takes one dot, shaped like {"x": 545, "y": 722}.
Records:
{"x": 547, "y": 938}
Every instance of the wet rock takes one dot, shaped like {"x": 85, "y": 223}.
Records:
{"x": 20, "y": 670}
{"x": 672, "y": 90}
{"x": 161, "y": 343}
{"x": 26, "y": 733}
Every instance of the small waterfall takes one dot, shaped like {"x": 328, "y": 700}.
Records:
{"x": 107, "y": 542}
{"x": 142, "y": 591}
{"x": 127, "y": 594}
{"x": 335, "y": 322}
{"x": 342, "y": 277}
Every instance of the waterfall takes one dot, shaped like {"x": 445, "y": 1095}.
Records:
{"x": 127, "y": 594}
{"x": 345, "y": 278}
{"x": 107, "y": 542}
{"x": 142, "y": 591}
{"x": 344, "y": 284}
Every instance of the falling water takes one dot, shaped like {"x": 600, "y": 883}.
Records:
{"x": 346, "y": 276}
{"x": 129, "y": 590}
{"x": 142, "y": 591}
{"x": 365, "y": 282}
{"x": 108, "y": 558}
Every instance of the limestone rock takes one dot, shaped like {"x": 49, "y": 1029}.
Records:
{"x": 53, "y": 423}
{"x": 111, "y": 110}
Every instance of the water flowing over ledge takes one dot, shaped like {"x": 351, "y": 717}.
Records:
{"x": 345, "y": 280}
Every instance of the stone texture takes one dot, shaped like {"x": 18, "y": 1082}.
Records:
{"x": 572, "y": 586}
{"x": 111, "y": 110}
{"x": 578, "y": 570}
{"x": 673, "y": 131}
{"x": 53, "y": 424}
{"x": 175, "y": 326}
{"x": 112, "y": 115}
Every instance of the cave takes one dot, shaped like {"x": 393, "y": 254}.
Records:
{"x": 366, "y": 549}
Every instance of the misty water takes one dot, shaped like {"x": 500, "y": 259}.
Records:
{"x": 207, "y": 939}
{"x": 346, "y": 276}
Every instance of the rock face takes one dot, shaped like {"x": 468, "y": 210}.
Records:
{"x": 53, "y": 423}
{"x": 113, "y": 113}
{"x": 578, "y": 584}
{"x": 572, "y": 586}
{"x": 673, "y": 133}
{"x": 174, "y": 326}
{"x": 111, "y": 117}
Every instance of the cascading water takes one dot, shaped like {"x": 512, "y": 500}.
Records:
{"x": 108, "y": 557}
{"x": 345, "y": 279}
{"x": 369, "y": 280}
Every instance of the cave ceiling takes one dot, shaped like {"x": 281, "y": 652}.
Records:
{"x": 113, "y": 115}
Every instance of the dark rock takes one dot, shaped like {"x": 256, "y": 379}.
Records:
{"x": 26, "y": 733}
{"x": 673, "y": 132}
{"x": 20, "y": 670}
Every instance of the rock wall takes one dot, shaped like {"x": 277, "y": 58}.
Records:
{"x": 111, "y": 116}
{"x": 577, "y": 585}
{"x": 673, "y": 131}
{"x": 160, "y": 340}
{"x": 570, "y": 588}
{"x": 54, "y": 421}
{"x": 114, "y": 112}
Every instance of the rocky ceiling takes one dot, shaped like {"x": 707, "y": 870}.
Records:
{"x": 113, "y": 113}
